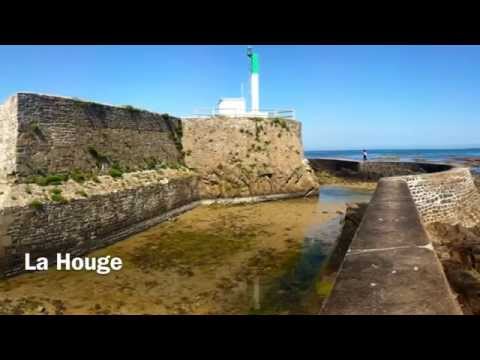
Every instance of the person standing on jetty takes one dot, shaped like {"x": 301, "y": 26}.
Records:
{"x": 364, "y": 155}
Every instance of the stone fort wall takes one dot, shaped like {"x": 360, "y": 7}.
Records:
{"x": 247, "y": 156}
{"x": 84, "y": 224}
{"x": 57, "y": 134}
{"x": 231, "y": 158}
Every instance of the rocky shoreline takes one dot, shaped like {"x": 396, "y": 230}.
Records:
{"x": 458, "y": 249}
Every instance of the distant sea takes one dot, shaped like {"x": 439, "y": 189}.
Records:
{"x": 437, "y": 155}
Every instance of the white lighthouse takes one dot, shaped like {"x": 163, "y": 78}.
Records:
{"x": 254, "y": 80}
{"x": 236, "y": 107}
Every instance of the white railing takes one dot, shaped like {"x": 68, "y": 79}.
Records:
{"x": 206, "y": 113}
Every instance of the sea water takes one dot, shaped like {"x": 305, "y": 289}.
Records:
{"x": 439, "y": 155}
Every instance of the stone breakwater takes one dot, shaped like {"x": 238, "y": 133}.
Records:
{"x": 391, "y": 266}
{"x": 77, "y": 175}
{"x": 375, "y": 170}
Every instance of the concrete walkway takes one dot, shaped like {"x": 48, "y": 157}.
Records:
{"x": 391, "y": 267}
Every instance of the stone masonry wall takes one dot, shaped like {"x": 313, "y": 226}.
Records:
{"x": 449, "y": 197}
{"x": 57, "y": 134}
{"x": 247, "y": 156}
{"x": 82, "y": 225}
{"x": 8, "y": 137}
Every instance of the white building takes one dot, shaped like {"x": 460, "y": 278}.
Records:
{"x": 231, "y": 107}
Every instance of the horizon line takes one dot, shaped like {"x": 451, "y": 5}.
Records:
{"x": 397, "y": 148}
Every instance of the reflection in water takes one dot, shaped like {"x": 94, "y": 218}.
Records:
{"x": 294, "y": 291}
{"x": 289, "y": 292}
{"x": 334, "y": 193}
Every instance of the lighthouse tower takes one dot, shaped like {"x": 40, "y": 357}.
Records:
{"x": 254, "y": 80}
{"x": 235, "y": 107}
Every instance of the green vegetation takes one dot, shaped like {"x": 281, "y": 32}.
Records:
{"x": 55, "y": 191}
{"x": 36, "y": 204}
{"x": 53, "y": 179}
{"x": 58, "y": 198}
{"x": 57, "y": 195}
{"x": 181, "y": 250}
{"x": 115, "y": 173}
{"x": 162, "y": 165}
{"x": 79, "y": 176}
{"x": 324, "y": 287}
{"x": 176, "y": 166}
{"x": 153, "y": 164}
{"x": 58, "y": 179}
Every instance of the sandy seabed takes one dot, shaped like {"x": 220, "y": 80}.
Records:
{"x": 206, "y": 261}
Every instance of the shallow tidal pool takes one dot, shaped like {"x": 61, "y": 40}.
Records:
{"x": 260, "y": 258}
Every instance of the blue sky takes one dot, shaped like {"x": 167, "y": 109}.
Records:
{"x": 347, "y": 97}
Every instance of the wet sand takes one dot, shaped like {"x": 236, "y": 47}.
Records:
{"x": 206, "y": 261}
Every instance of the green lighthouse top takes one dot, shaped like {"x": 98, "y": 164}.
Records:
{"x": 254, "y": 63}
